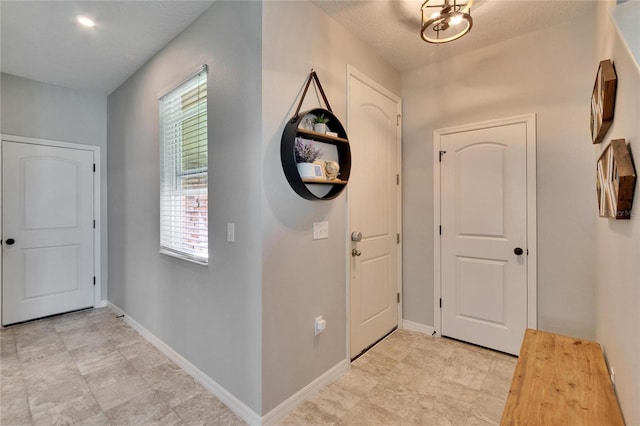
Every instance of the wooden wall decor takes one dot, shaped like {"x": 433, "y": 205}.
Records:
{"x": 615, "y": 181}
{"x": 603, "y": 100}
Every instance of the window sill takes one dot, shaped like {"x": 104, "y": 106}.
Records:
{"x": 184, "y": 257}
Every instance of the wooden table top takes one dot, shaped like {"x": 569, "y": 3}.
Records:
{"x": 560, "y": 380}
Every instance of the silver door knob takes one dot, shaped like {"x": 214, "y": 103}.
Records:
{"x": 355, "y": 252}
{"x": 356, "y": 236}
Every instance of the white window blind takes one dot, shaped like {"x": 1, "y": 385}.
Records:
{"x": 184, "y": 170}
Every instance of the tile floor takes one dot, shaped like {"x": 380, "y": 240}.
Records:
{"x": 90, "y": 368}
{"x": 413, "y": 379}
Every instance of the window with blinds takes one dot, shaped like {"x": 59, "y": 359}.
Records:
{"x": 184, "y": 171}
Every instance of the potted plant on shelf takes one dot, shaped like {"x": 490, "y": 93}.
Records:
{"x": 306, "y": 154}
{"x": 320, "y": 124}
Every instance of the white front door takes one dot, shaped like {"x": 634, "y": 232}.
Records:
{"x": 483, "y": 180}
{"x": 373, "y": 205}
{"x": 47, "y": 226}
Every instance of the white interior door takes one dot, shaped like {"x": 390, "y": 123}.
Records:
{"x": 483, "y": 179}
{"x": 47, "y": 225}
{"x": 373, "y": 118}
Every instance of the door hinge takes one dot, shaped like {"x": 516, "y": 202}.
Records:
{"x": 94, "y": 224}
{"x": 527, "y": 252}
{"x": 94, "y": 280}
{"x": 398, "y": 238}
{"x": 397, "y": 179}
{"x": 398, "y": 119}
{"x": 441, "y": 302}
{"x": 440, "y": 229}
{"x": 398, "y": 297}
{"x": 441, "y": 154}
{"x": 94, "y": 167}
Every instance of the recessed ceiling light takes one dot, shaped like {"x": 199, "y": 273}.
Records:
{"x": 83, "y": 20}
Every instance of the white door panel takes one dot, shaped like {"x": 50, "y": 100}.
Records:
{"x": 484, "y": 218}
{"x": 477, "y": 278}
{"x": 373, "y": 195}
{"x": 47, "y": 199}
{"x": 43, "y": 195}
{"x": 481, "y": 195}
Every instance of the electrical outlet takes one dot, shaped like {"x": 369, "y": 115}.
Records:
{"x": 320, "y": 230}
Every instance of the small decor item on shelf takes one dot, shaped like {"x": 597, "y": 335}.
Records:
{"x": 332, "y": 169}
{"x": 306, "y": 153}
{"x": 320, "y": 124}
{"x": 307, "y": 123}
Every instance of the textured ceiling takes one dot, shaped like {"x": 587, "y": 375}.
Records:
{"x": 392, "y": 28}
{"x": 40, "y": 40}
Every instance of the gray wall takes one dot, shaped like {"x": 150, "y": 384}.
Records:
{"x": 210, "y": 315}
{"x": 39, "y": 110}
{"x": 303, "y": 278}
{"x": 618, "y": 242}
{"x": 529, "y": 74}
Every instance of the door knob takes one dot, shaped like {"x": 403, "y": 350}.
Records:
{"x": 10, "y": 241}
{"x": 356, "y": 236}
{"x": 355, "y": 252}
{"x": 518, "y": 251}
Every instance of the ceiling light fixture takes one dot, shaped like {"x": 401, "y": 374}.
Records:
{"x": 83, "y": 20}
{"x": 445, "y": 21}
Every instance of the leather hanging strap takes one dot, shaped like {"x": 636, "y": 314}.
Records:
{"x": 313, "y": 76}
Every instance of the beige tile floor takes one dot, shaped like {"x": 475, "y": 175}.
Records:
{"x": 90, "y": 368}
{"x": 413, "y": 379}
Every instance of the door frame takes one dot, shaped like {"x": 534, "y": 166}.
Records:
{"x": 97, "y": 290}
{"x": 352, "y": 71}
{"x": 532, "y": 263}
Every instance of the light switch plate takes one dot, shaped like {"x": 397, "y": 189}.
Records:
{"x": 320, "y": 230}
{"x": 231, "y": 232}
{"x": 320, "y": 325}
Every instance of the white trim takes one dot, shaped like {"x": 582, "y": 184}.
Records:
{"x": 532, "y": 223}
{"x": 49, "y": 142}
{"x": 195, "y": 72}
{"x": 227, "y": 398}
{"x": 183, "y": 256}
{"x": 1, "y": 234}
{"x": 398, "y": 101}
{"x": 420, "y": 328}
{"x": 352, "y": 71}
{"x": 437, "y": 315}
{"x": 103, "y": 304}
{"x": 281, "y": 411}
{"x": 97, "y": 256}
{"x": 532, "y": 261}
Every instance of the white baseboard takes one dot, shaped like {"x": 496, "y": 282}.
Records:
{"x": 282, "y": 410}
{"x": 420, "y": 328}
{"x": 101, "y": 304}
{"x": 237, "y": 406}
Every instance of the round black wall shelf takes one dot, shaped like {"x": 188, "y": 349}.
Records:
{"x": 287, "y": 155}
